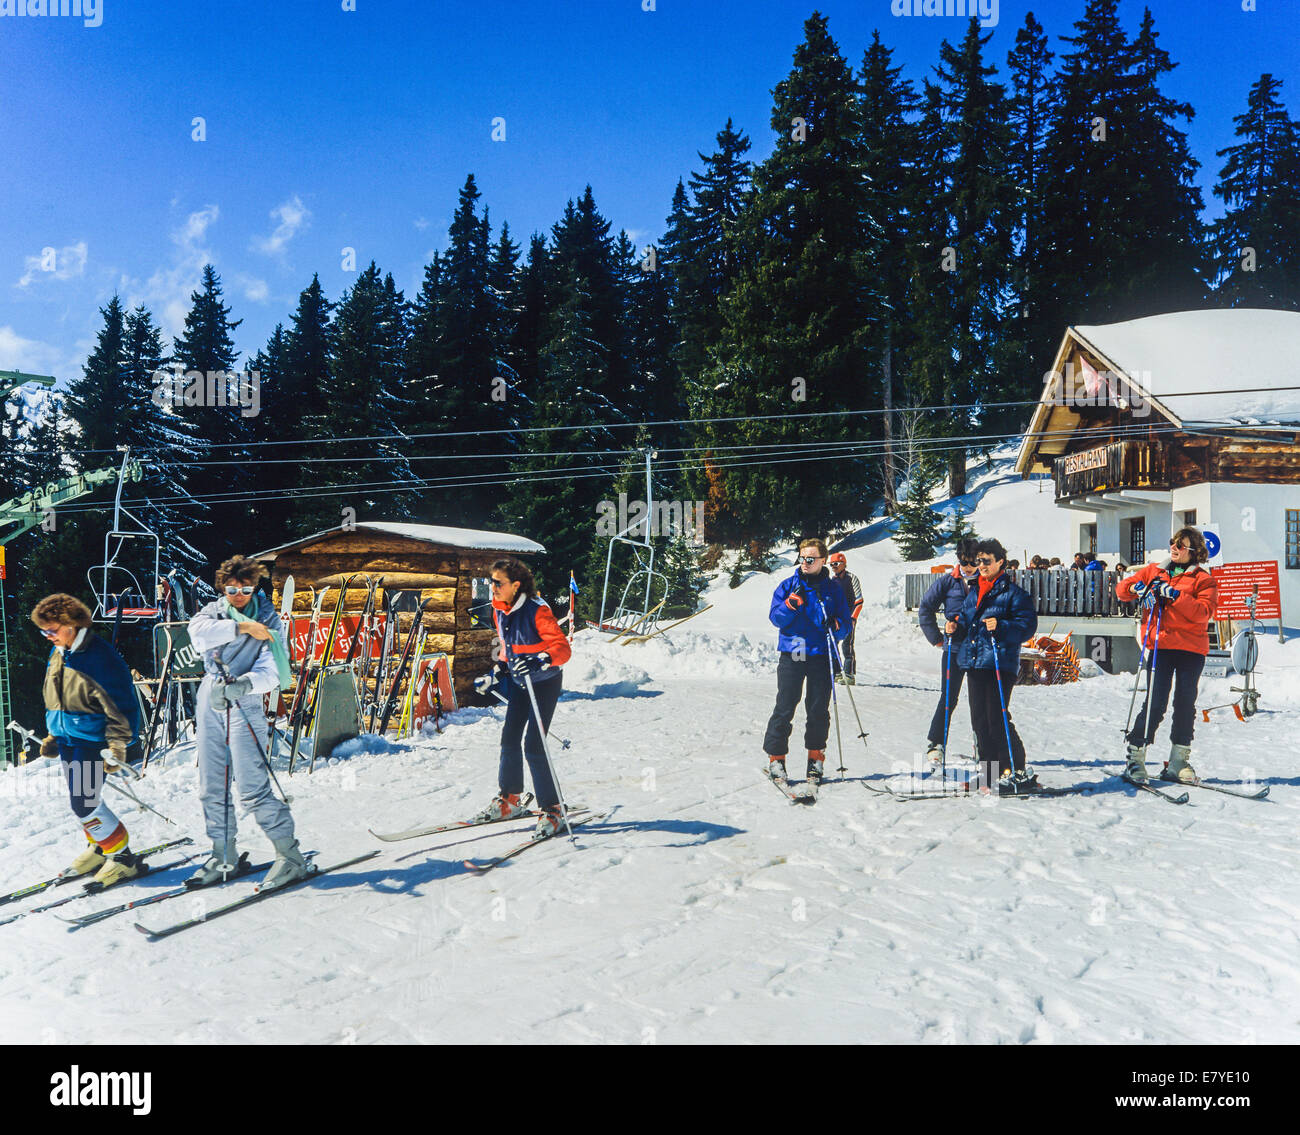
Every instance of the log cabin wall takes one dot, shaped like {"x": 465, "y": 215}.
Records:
{"x": 443, "y": 576}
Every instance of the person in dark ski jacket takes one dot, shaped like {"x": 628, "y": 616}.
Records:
{"x": 90, "y": 709}
{"x": 995, "y": 619}
{"x": 1178, "y": 642}
{"x": 531, "y": 644}
{"x": 853, "y": 596}
{"x": 947, "y": 594}
{"x": 806, "y": 607}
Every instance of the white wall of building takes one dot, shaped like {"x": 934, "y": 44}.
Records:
{"x": 1250, "y": 518}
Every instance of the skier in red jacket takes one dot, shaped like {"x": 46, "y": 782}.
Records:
{"x": 531, "y": 644}
{"x": 1186, "y": 594}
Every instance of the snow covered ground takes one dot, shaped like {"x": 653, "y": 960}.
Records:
{"x": 707, "y": 908}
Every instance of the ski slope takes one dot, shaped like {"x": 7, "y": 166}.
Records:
{"x": 707, "y": 908}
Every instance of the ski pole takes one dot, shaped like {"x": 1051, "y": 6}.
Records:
{"x": 131, "y": 795}
{"x": 1151, "y": 674}
{"x": 862, "y": 733}
{"x": 496, "y": 693}
{"x": 1006, "y": 721}
{"x": 839, "y": 744}
{"x": 541, "y": 729}
{"x": 1137, "y": 677}
{"x": 947, "y": 713}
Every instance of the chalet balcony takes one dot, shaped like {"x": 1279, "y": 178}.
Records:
{"x": 1107, "y": 468}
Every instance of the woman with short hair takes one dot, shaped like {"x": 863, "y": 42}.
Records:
{"x": 90, "y": 708}
{"x": 1180, "y": 596}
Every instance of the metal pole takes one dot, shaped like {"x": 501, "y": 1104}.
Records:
{"x": 541, "y": 729}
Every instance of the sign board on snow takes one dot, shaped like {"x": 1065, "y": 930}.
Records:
{"x": 186, "y": 662}
{"x": 1236, "y": 584}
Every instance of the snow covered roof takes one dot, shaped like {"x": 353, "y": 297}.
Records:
{"x": 473, "y": 539}
{"x": 1222, "y": 369}
{"x": 1210, "y": 369}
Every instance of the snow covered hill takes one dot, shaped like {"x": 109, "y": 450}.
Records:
{"x": 707, "y": 908}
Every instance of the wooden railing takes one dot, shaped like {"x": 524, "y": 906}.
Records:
{"x": 1121, "y": 465}
{"x": 1054, "y": 592}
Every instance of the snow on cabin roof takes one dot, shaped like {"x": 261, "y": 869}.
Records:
{"x": 469, "y": 538}
{"x": 1210, "y": 369}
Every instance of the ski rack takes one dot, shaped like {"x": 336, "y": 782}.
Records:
{"x": 125, "y": 604}
{"x": 646, "y": 616}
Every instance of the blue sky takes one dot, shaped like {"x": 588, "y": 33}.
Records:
{"x": 329, "y": 128}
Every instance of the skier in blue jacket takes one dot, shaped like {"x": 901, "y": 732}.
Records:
{"x": 995, "y": 619}
{"x": 807, "y": 607}
{"x": 947, "y": 593}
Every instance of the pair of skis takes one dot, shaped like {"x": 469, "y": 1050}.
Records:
{"x": 798, "y": 792}
{"x": 89, "y": 888}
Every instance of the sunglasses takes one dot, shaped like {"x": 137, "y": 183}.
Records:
{"x": 52, "y": 634}
{"x": 985, "y": 561}
{"x": 240, "y": 590}
{"x": 1180, "y": 547}
{"x": 500, "y": 583}
{"x": 966, "y": 563}
{"x": 810, "y": 559}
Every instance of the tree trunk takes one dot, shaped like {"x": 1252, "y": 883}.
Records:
{"x": 887, "y": 399}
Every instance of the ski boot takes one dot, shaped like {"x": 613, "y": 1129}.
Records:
{"x": 92, "y": 859}
{"x": 1136, "y": 768}
{"x": 289, "y": 865}
{"x": 549, "y": 823}
{"x": 223, "y": 855}
{"x": 123, "y": 865}
{"x": 1018, "y": 782}
{"x": 776, "y": 767}
{"x": 504, "y": 806}
{"x": 934, "y": 754}
{"x": 1177, "y": 767}
{"x": 816, "y": 765}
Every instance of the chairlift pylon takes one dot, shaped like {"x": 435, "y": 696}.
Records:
{"x": 119, "y": 596}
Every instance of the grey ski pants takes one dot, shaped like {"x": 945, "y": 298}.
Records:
{"x": 247, "y": 771}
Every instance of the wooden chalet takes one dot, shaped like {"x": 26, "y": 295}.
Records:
{"x": 1187, "y": 418}
{"x": 445, "y": 566}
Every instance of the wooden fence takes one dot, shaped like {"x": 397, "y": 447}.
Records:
{"x": 1053, "y": 591}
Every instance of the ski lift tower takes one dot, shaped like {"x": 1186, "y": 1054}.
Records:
{"x": 20, "y": 515}
{"x": 119, "y": 596}
{"x": 645, "y": 616}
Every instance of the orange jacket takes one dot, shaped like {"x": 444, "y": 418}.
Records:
{"x": 1184, "y": 621}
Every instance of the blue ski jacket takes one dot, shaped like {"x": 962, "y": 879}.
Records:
{"x": 947, "y": 594}
{"x": 1017, "y": 621}
{"x": 803, "y": 628}
{"x": 89, "y": 695}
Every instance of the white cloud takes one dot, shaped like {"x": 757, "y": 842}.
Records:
{"x": 293, "y": 215}
{"x": 255, "y": 290}
{"x": 167, "y": 292}
{"x": 55, "y": 264}
{"x": 421, "y": 223}
{"x": 35, "y": 357}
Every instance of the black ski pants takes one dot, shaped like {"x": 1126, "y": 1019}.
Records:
{"x": 991, "y": 726}
{"x": 791, "y": 675}
{"x": 520, "y": 739}
{"x": 954, "y": 679}
{"x": 1185, "y": 666}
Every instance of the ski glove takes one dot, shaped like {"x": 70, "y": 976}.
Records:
{"x": 1139, "y": 589}
{"x": 485, "y": 683}
{"x": 50, "y": 747}
{"x": 114, "y": 756}
{"x": 797, "y": 597}
{"x": 521, "y": 664}
{"x": 1164, "y": 590}
{"x": 225, "y": 694}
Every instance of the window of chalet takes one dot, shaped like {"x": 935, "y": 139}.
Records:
{"x": 1293, "y": 537}
{"x": 1137, "y": 540}
{"x": 1189, "y": 518}
{"x": 1088, "y": 539}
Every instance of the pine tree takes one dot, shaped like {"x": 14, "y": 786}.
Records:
{"x": 920, "y": 528}
{"x": 308, "y": 347}
{"x": 205, "y": 351}
{"x": 798, "y": 320}
{"x": 1260, "y": 186}
{"x": 360, "y": 398}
